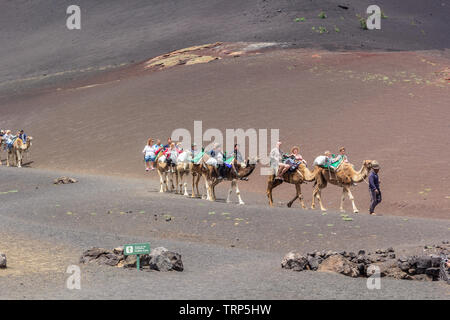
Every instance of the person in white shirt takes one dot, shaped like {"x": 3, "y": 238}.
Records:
{"x": 9, "y": 139}
{"x": 276, "y": 156}
{"x": 149, "y": 155}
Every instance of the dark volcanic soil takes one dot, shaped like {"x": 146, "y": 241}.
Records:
{"x": 36, "y": 45}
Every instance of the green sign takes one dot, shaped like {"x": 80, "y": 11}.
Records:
{"x": 136, "y": 249}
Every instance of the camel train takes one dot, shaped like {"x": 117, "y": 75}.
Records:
{"x": 15, "y": 154}
{"x": 184, "y": 166}
{"x": 345, "y": 176}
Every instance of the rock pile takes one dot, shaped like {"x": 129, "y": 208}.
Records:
{"x": 159, "y": 259}
{"x": 425, "y": 267}
{"x": 64, "y": 180}
{"x": 2, "y": 261}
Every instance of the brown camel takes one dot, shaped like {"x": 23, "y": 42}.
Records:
{"x": 182, "y": 170}
{"x": 344, "y": 177}
{"x": 199, "y": 170}
{"x": 297, "y": 177}
{"x": 15, "y": 153}
{"x": 232, "y": 175}
{"x": 165, "y": 173}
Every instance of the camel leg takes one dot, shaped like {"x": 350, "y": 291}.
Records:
{"x": 313, "y": 201}
{"x": 300, "y": 197}
{"x": 271, "y": 184}
{"x": 19, "y": 159}
{"x": 352, "y": 199}
{"x": 208, "y": 189}
{"x": 317, "y": 194}
{"x": 196, "y": 185}
{"x": 171, "y": 180}
{"x": 344, "y": 193}
{"x": 177, "y": 179}
{"x": 297, "y": 191}
{"x": 213, "y": 190}
{"x": 161, "y": 181}
{"x": 233, "y": 184}
{"x": 185, "y": 184}
{"x": 193, "y": 186}
{"x": 206, "y": 194}
{"x": 238, "y": 193}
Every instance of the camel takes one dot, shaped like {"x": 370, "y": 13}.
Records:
{"x": 301, "y": 175}
{"x": 241, "y": 172}
{"x": 15, "y": 153}
{"x": 182, "y": 170}
{"x": 344, "y": 177}
{"x": 198, "y": 170}
{"x": 165, "y": 173}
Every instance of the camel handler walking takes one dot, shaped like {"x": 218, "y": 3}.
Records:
{"x": 374, "y": 187}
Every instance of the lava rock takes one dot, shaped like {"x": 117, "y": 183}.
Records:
{"x": 130, "y": 261}
{"x": 433, "y": 273}
{"x": 404, "y": 266}
{"x": 118, "y": 250}
{"x": 2, "y": 261}
{"x": 166, "y": 261}
{"x": 64, "y": 180}
{"x": 435, "y": 261}
{"x": 423, "y": 262}
{"x": 92, "y": 254}
{"x": 314, "y": 262}
{"x": 294, "y": 261}
{"x": 339, "y": 264}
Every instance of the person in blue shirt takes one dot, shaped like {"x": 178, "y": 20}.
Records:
{"x": 374, "y": 187}
{"x": 22, "y": 136}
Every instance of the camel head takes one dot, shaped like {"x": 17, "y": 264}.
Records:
{"x": 247, "y": 169}
{"x": 369, "y": 164}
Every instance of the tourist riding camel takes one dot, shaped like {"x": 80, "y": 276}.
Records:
{"x": 16, "y": 148}
{"x": 229, "y": 175}
{"x": 296, "y": 174}
{"x": 343, "y": 175}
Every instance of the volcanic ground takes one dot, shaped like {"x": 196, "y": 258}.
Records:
{"x": 91, "y": 97}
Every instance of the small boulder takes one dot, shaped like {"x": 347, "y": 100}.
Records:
{"x": 294, "y": 261}
{"x": 130, "y": 261}
{"x": 64, "y": 180}
{"x": 166, "y": 261}
{"x": 423, "y": 262}
{"x": 314, "y": 262}
{"x": 339, "y": 264}
{"x": 2, "y": 261}
{"x": 92, "y": 254}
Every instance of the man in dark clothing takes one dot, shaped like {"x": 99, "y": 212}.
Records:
{"x": 374, "y": 187}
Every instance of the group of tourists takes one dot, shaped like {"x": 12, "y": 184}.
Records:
{"x": 171, "y": 150}
{"x": 153, "y": 148}
{"x": 8, "y": 138}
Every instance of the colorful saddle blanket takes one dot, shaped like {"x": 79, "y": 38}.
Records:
{"x": 198, "y": 157}
{"x": 333, "y": 166}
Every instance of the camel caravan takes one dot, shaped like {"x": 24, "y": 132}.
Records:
{"x": 172, "y": 162}
{"x": 15, "y": 147}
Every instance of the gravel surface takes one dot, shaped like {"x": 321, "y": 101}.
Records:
{"x": 34, "y": 217}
